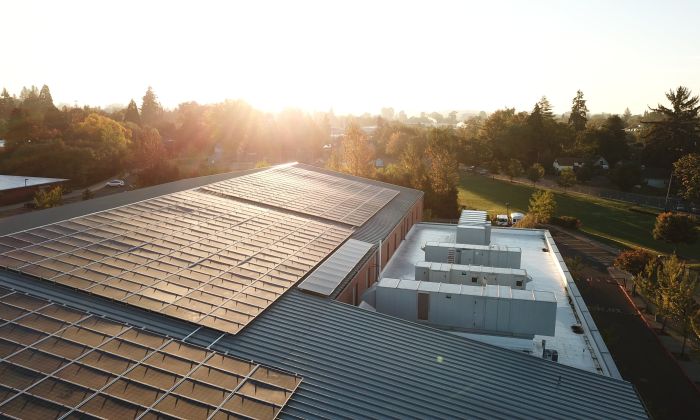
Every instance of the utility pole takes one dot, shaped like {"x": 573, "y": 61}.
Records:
{"x": 668, "y": 191}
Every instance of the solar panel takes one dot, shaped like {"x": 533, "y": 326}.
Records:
{"x": 193, "y": 256}
{"x": 309, "y": 192}
{"x": 59, "y": 362}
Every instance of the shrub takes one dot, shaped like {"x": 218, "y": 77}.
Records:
{"x": 569, "y": 222}
{"x": 87, "y": 194}
{"x": 634, "y": 261}
{"x": 675, "y": 228}
{"x": 527, "y": 222}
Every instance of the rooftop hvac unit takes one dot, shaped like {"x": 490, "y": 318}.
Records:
{"x": 473, "y": 228}
{"x": 472, "y": 275}
{"x": 487, "y": 309}
{"x": 466, "y": 254}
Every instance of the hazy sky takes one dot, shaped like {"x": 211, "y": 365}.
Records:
{"x": 355, "y": 56}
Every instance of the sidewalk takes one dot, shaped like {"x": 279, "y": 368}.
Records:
{"x": 671, "y": 340}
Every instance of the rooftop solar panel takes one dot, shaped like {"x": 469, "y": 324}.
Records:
{"x": 59, "y": 362}
{"x": 330, "y": 197}
{"x": 197, "y": 257}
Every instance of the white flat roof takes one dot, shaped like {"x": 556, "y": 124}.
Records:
{"x": 8, "y": 182}
{"x": 542, "y": 266}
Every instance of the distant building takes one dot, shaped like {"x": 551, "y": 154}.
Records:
{"x": 572, "y": 163}
{"x": 379, "y": 163}
{"x": 656, "y": 177}
{"x": 15, "y": 189}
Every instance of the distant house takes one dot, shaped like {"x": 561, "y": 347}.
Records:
{"x": 656, "y": 177}
{"x": 601, "y": 162}
{"x": 562, "y": 163}
{"x": 379, "y": 163}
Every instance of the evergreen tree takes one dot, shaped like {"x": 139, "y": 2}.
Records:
{"x": 45, "y": 100}
{"x": 545, "y": 108}
{"x": 579, "y": 112}
{"x": 151, "y": 110}
{"x": 132, "y": 113}
{"x": 7, "y": 104}
{"x": 677, "y": 133}
{"x": 687, "y": 171}
{"x": 627, "y": 116}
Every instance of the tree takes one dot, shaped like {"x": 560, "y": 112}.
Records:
{"x": 675, "y": 228}
{"x": 44, "y": 199}
{"x": 45, "y": 100}
{"x": 514, "y": 169}
{"x": 626, "y": 175}
{"x": 149, "y": 148}
{"x": 695, "y": 322}
{"x": 634, "y": 261}
{"x": 132, "y": 113}
{"x": 567, "y": 178}
{"x": 579, "y": 112}
{"x": 358, "y": 155}
{"x": 542, "y": 205}
{"x": 443, "y": 174}
{"x": 677, "y": 292}
{"x": 151, "y": 110}
{"x": 687, "y": 171}
{"x": 535, "y": 173}
{"x": 676, "y": 132}
{"x": 627, "y": 116}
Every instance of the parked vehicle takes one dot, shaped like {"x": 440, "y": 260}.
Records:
{"x": 502, "y": 220}
{"x": 515, "y": 217}
{"x": 115, "y": 183}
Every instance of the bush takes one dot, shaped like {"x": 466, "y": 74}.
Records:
{"x": 634, "y": 261}
{"x": 87, "y": 194}
{"x": 569, "y": 222}
{"x": 675, "y": 228}
{"x": 44, "y": 199}
{"x": 527, "y": 222}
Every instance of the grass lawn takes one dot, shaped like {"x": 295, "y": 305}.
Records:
{"x": 606, "y": 220}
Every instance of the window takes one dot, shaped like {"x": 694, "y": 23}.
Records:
{"x": 474, "y": 279}
{"x": 519, "y": 283}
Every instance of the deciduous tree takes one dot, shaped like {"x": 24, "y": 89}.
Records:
{"x": 634, "y": 261}
{"x": 675, "y": 228}
{"x": 687, "y": 172}
{"x": 566, "y": 179}
{"x": 542, "y": 205}
{"x": 514, "y": 169}
{"x": 535, "y": 173}
{"x": 358, "y": 154}
{"x": 677, "y": 292}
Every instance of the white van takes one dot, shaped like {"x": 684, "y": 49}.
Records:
{"x": 502, "y": 220}
{"x": 516, "y": 217}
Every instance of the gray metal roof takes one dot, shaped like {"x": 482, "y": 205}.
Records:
{"x": 326, "y": 278}
{"x": 361, "y": 364}
{"x": 10, "y": 182}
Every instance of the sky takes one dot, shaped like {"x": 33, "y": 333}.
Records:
{"x": 355, "y": 56}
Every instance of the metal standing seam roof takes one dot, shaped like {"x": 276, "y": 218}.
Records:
{"x": 362, "y": 364}
{"x": 326, "y": 278}
{"x": 10, "y": 182}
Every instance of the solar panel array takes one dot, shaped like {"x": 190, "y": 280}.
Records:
{"x": 58, "y": 362}
{"x": 309, "y": 192}
{"x": 194, "y": 256}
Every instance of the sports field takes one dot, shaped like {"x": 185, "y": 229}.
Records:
{"x": 606, "y": 220}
